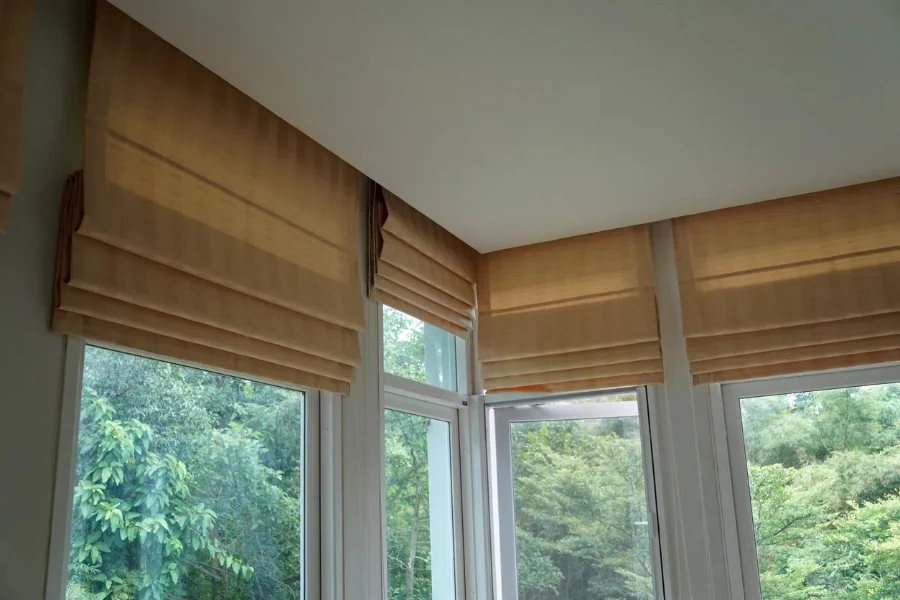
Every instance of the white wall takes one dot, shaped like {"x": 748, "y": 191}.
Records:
{"x": 31, "y": 358}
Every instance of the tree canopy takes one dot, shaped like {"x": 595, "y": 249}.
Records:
{"x": 582, "y": 530}
{"x": 189, "y": 485}
{"x": 825, "y": 489}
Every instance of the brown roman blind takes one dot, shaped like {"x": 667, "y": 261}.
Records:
{"x": 418, "y": 267}
{"x": 572, "y": 314}
{"x": 205, "y": 228}
{"x": 15, "y": 33}
{"x": 798, "y": 284}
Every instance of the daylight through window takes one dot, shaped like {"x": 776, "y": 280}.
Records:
{"x": 419, "y": 507}
{"x": 419, "y": 351}
{"x": 190, "y": 484}
{"x": 581, "y": 528}
{"x": 824, "y": 474}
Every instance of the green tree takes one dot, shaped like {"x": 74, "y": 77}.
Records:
{"x": 408, "y": 532}
{"x": 581, "y": 518}
{"x": 138, "y": 521}
{"x": 824, "y": 479}
{"x": 404, "y": 345}
{"x": 229, "y": 449}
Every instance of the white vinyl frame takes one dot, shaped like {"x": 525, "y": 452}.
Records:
{"x": 732, "y": 459}
{"x": 67, "y": 457}
{"x": 415, "y": 405}
{"x": 508, "y": 409}
{"x": 467, "y": 451}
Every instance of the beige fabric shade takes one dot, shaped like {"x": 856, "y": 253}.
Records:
{"x": 792, "y": 285}
{"x": 418, "y": 267}
{"x": 15, "y": 34}
{"x": 206, "y": 229}
{"x": 572, "y": 314}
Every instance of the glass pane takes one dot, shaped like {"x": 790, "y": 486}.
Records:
{"x": 582, "y": 529}
{"x": 825, "y": 492}
{"x": 419, "y": 351}
{"x": 190, "y": 485}
{"x": 420, "y": 556}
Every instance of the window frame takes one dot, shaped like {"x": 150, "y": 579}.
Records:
{"x": 399, "y": 393}
{"x": 415, "y": 405}
{"x": 67, "y": 459}
{"x": 732, "y": 456}
{"x": 463, "y": 381}
{"x": 506, "y": 409}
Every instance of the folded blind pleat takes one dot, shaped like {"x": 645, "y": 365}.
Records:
{"x": 794, "y": 296}
{"x": 586, "y": 384}
{"x": 571, "y": 360}
{"x": 798, "y": 353}
{"x": 402, "y": 278}
{"x": 801, "y": 366}
{"x": 206, "y": 228}
{"x": 572, "y": 314}
{"x": 15, "y": 34}
{"x": 797, "y": 284}
{"x": 568, "y": 375}
{"x": 183, "y": 169}
{"x": 604, "y": 322}
{"x": 74, "y": 300}
{"x": 426, "y": 304}
{"x": 109, "y": 295}
{"x": 180, "y": 350}
{"x": 416, "y": 311}
{"x": 103, "y": 269}
{"x": 417, "y": 230}
{"x": 428, "y": 271}
{"x": 767, "y": 340}
{"x": 418, "y": 267}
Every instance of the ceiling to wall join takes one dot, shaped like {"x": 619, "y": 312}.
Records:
{"x": 519, "y": 121}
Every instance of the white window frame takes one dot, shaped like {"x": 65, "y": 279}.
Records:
{"x": 316, "y": 464}
{"x": 442, "y": 411}
{"x": 469, "y": 475}
{"x": 463, "y": 383}
{"x": 732, "y": 456}
{"x": 504, "y": 410}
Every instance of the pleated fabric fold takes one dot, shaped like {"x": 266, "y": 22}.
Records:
{"x": 569, "y": 315}
{"x": 418, "y": 267}
{"x": 798, "y": 284}
{"x": 203, "y": 227}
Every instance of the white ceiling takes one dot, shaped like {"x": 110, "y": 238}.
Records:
{"x": 517, "y": 121}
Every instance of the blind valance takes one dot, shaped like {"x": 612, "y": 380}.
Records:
{"x": 206, "y": 228}
{"x": 572, "y": 314}
{"x": 798, "y": 284}
{"x": 15, "y": 33}
{"x": 418, "y": 267}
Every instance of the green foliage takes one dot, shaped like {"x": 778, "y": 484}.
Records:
{"x": 196, "y": 494}
{"x": 825, "y": 477}
{"x": 581, "y": 517}
{"x": 825, "y": 484}
{"x": 406, "y": 483}
{"x": 404, "y": 345}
